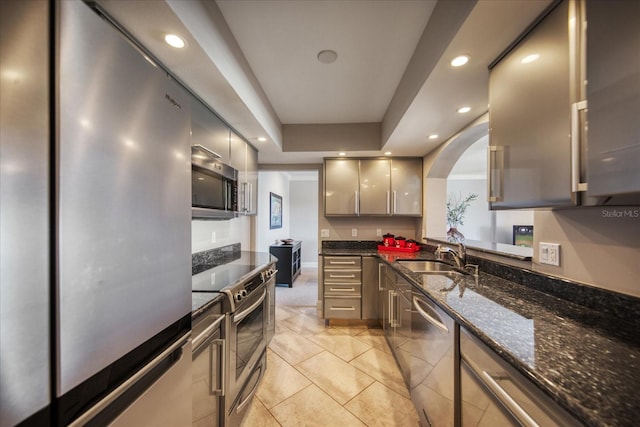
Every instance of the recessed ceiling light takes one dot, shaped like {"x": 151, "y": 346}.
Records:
{"x": 530, "y": 58}
{"x": 175, "y": 41}
{"x": 387, "y": 153}
{"x": 342, "y": 153}
{"x": 327, "y": 56}
{"x": 464, "y": 110}
{"x": 433, "y": 136}
{"x": 262, "y": 139}
{"x": 459, "y": 61}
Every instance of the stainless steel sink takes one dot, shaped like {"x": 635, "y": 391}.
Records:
{"x": 428, "y": 266}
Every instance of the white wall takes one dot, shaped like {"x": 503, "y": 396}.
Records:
{"x": 278, "y": 183}
{"x": 303, "y": 196}
{"x": 227, "y": 232}
{"x": 478, "y": 218}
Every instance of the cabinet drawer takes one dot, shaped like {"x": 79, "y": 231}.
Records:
{"x": 342, "y": 262}
{"x": 342, "y": 276}
{"x": 342, "y": 308}
{"x": 342, "y": 290}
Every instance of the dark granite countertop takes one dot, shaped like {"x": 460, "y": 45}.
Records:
{"x": 586, "y": 360}
{"x": 201, "y": 301}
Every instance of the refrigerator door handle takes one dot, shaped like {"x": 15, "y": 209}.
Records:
{"x": 119, "y": 391}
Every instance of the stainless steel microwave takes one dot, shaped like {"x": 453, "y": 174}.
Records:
{"x": 214, "y": 186}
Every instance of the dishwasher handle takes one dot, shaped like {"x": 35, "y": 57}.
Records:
{"x": 508, "y": 401}
{"x": 417, "y": 302}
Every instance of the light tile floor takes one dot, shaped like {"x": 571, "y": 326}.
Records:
{"x": 319, "y": 375}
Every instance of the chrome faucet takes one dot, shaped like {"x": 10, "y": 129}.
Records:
{"x": 459, "y": 257}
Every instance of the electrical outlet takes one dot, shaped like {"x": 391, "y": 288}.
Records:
{"x": 549, "y": 253}
{"x": 324, "y": 232}
{"x": 379, "y": 232}
{"x": 354, "y": 232}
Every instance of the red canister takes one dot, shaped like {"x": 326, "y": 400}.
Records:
{"x": 411, "y": 243}
{"x": 401, "y": 242}
{"x": 388, "y": 240}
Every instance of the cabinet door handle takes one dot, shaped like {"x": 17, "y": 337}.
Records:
{"x": 342, "y": 262}
{"x": 395, "y": 202}
{"x": 338, "y": 308}
{"x": 342, "y": 289}
{"x": 508, "y": 401}
{"x": 219, "y": 343}
{"x": 495, "y": 155}
{"x": 576, "y": 185}
{"x": 380, "y": 277}
{"x": 438, "y": 324}
{"x": 342, "y": 276}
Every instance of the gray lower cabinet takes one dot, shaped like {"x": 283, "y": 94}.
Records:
{"x": 492, "y": 393}
{"x": 370, "y": 287}
{"x": 342, "y": 287}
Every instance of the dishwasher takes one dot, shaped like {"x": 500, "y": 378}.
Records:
{"x": 433, "y": 373}
{"x": 494, "y": 394}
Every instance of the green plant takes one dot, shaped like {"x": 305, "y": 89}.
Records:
{"x": 456, "y": 208}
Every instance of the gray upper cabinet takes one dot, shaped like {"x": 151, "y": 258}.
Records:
{"x": 244, "y": 158}
{"x": 530, "y": 98}
{"x": 406, "y": 187}
{"x": 341, "y": 184}
{"x": 251, "y": 188}
{"x": 373, "y": 186}
{"x": 613, "y": 93}
{"x": 563, "y": 110}
{"x": 208, "y": 130}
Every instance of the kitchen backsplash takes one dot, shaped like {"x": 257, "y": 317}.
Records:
{"x": 204, "y": 260}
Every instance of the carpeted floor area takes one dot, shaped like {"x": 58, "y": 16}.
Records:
{"x": 304, "y": 292}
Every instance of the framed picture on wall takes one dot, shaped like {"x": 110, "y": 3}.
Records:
{"x": 275, "y": 211}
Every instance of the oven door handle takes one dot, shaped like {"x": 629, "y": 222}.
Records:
{"x": 240, "y": 316}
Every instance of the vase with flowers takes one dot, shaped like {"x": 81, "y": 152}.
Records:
{"x": 456, "y": 209}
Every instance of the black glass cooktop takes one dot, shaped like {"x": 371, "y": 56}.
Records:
{"x": 216, "y": 278}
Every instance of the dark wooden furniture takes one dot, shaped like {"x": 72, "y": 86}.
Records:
{"x": 289, "y": 262}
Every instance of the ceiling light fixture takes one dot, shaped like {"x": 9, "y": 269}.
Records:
{"x": 530, "y": 58}
{"x": 459, "y": 61}
{"x": 387, "y": 153}
{"x": 433, "y": 136}
{"x": 175, "y": 41}
{"x": 342, "y": 153}
{"x": 464, "y": 110}
{"x": 262, "y": 139}
{"x": 327, "y": 56}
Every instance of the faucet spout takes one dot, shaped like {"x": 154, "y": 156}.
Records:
{"x": 459, "y": 256}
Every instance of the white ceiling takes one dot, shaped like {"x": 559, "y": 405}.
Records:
{"x": 374, "y": 40}
{"x": 261, "y": 71}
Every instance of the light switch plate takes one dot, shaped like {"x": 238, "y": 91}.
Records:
{"x": 379, "y": 232}
{"x": 549, "y": 253}
{"x": 354, "y": 232}
{"x": 324, "y": 232}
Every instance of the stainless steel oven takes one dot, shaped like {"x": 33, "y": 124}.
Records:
{"x": 214, "y": 186}
{"x": 247, "y": 343}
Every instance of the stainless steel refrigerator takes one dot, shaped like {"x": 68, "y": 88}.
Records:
{"x": 96, "y": 215}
